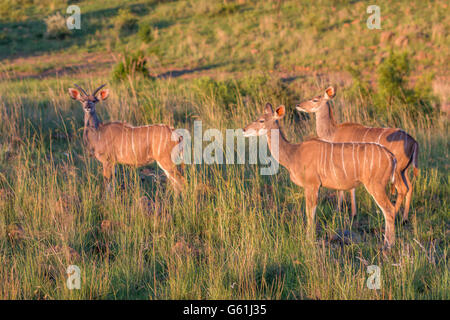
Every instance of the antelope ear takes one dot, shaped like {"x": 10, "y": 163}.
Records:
{"x": 103, "y": 94}
{"x": 280, "y": 112}
{"x": 268, "y": 109}
{"x": 330, "y": 92}
{"x": 74, "y": 94}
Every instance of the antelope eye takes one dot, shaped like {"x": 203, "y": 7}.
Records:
{"x": 261, "y": 120}
{"x": 315, "y": 100}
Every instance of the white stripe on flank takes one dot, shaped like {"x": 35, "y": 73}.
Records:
{"x": 357, "y": 157}
{"x": 379, "y": 137}
{"x": 140, "y": 145}
{"x": 343, "y": 163}
{"x": 148, "y": 129}
{"x": 371, "y": 161}
{"x": 379, "y": 158}
{"x": 160, "y": 140}
{"x": 364, "y": 137}
{"x": 354, "y": 162}
{"x": 153, "y": 143}
{"x": 321, "y": 159}
{"x": 121, "y": 146}
{"x": 332, "y": 164}
{"x": 364, "y": 164}
{"x": 386, "y": 154}
{"x": 132, "y": 144}
{"x": 126, "y": 143}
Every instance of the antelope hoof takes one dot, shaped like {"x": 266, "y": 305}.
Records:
{"x": 405, "y": 222}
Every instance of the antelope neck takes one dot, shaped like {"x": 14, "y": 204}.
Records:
{"x": 285, "y": 148}
{"x": 91, "y": 120}
{"x": 325, "y": 123}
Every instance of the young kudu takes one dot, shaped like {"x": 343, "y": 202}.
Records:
{"x": 401, "y": 144}
{"x": 117, "y": 142}
{"x": 341, "y": 166}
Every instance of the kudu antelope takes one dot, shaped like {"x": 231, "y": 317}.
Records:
{"x": 117, "y": 142}
{"x": 400, "y": 143}
{"x": 341, "y": 166}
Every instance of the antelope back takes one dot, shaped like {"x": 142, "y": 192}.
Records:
{"x": 344, "y": 165}
{"x": 395, "y": 140}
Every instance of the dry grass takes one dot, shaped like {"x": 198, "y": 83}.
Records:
{"x": 234, "y": 234}
{"x": 231, "y": 226}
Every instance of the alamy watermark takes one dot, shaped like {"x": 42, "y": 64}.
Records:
{"x": 73, "y": 21}
{"x": 374, "y": 20}
{"x": 231, "y": 150}
{"x": 374, "y": 281}
{"x": 74, "y": 277}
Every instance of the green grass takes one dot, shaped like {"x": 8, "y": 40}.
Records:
{"x": 242, "y": 35}
{"x": 233, "y": 234}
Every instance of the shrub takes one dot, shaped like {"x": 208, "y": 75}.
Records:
{"x": 56, "y": 27}
{"x": 125, "y": 21}
{"x": 393, "y": 87}
{"x": 131, "y": 65}
{"x": 228, "y": 8}
{"x": 392, "y": 77}
{"x": 4, "y": 38}
{"x": 145, "y": 33}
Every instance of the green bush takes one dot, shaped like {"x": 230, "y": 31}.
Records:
{"x": 145, "y": 33}
{"x": 131, "y": 65}
{"x": 4, "y": 38}
{"x": 392, "y": 77}
{"x": 393, "y": 90}
{"x": 125, "y": 21}
{"x": 228, "y": 8}
{"x": 56, "y": 27}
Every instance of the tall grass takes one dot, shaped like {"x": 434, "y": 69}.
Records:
{"x": 233, "y": 234}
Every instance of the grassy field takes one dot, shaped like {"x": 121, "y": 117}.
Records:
{"x": 233, "y": 234}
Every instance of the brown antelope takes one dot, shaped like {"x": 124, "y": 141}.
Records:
{"x": 117, "y": 142}
{"x": 401, "y": 144}
{"x": 341, "y": 166}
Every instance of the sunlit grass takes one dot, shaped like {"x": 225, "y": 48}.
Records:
{"x": 232, "y": 234}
